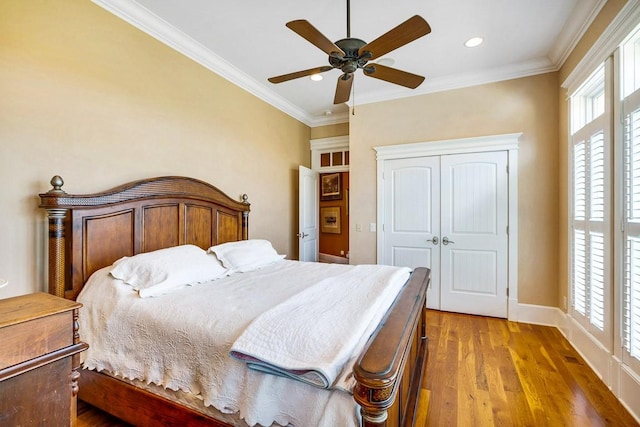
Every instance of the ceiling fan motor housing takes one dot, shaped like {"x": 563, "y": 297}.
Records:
{"x": 351, "y": 61}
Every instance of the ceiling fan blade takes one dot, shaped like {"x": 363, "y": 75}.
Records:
{"x": 393, "y": 75}
{"x": 343, "y": 88}
{"x": 298, "y": 74}
{"x": 313, "y": 36}
{"x": 410, "y": 30}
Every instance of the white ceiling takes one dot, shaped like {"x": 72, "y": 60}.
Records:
{"x": 246, "y": 41}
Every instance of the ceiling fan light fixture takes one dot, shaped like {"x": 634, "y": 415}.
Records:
{"x": 474, "y": 41}
{"x": 316, "y": 77}
{"x": 386, "y": 61}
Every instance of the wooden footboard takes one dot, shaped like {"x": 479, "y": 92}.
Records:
{"x": 88, "y": 232}
{"x": 389, "y": 372}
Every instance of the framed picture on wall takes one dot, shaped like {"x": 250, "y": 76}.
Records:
{"x": 330, "y": 188}
{"x": 330, "y": 220}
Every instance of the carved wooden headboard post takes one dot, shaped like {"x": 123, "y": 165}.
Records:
{"x": 57, "y": 245}
{"x": 245, "y": 217}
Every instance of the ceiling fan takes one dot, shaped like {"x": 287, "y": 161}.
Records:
{"x": 349, "y": 54}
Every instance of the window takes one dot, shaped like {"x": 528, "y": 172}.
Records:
{"x": 631, "y": 199}
{"x": 590, "y": 260}
{"x": 330, "y": 154}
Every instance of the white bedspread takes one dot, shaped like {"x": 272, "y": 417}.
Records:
{"x": 312, "y": 335}
{"x": 182, "y": 341}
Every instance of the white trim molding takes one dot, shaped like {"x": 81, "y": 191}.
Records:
{"x": 503, "y": 142}
{"x": 610, "y": 39}
{"x": 328, "y": 145}
{"x": 480, "y": 144}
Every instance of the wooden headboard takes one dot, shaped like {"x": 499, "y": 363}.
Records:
{"x": 91, "y": 231}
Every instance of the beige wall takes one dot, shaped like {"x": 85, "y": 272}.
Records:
{"x": 328, "y": 131}
{"x": 89, "y": 97}
{"x": 527, "y": 105}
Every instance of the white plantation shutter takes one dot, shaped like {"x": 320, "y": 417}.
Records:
{"x": 597, "y": 166}
{"x": 597, "y": 282}
{"x": 630, "y": 309}
{"x": 580, "y": 281}
{"x": 579, "y": 287}
{"x": 605, "y": 182}
{"x": 631, "y": 298}
{"x": 631, "y": 227}
{"x": 590, "y": 261}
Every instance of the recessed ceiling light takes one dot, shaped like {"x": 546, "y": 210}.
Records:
{"x": 474, "y": 41}
{"x": 316, "y": 77}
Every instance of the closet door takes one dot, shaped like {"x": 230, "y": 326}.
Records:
{"x": 449, "y": 213}
{"x": 474, "y": 244}
{"x": 412, "y": 217}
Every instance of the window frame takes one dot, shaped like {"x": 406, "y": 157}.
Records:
{"x": 584, "y": 125}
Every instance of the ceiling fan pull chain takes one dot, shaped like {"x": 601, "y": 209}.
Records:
{"x": 353, "y": 97}
{"x": 348, "y": 18}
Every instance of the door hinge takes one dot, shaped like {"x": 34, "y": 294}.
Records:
{"x": 507, "y": 168}
{"x": 507, "y": 292}
{"x": 507, "y": 230}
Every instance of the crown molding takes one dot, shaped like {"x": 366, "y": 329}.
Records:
{"x": 626, "y": 20}
{"x": 151, "y": 24}
{"x": 581, "y": 19}
{"x": 463, "y": 80}
{"x": 148, "y": 22}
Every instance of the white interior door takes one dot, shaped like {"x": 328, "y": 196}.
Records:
{"x": 412, "y": 217}
{"x": 308, "y": 215}
{"x": 450, "y": 213}
{"x": 473, "y": 276}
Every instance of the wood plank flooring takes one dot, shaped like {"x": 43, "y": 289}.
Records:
{"x": 491, "y": 372}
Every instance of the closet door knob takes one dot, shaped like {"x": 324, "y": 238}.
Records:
{"x": 446, "y": 241}
{"x": 302, "y": 235}
{"x": 435, "y": 240}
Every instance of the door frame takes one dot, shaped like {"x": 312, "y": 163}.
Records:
{"x": 504, "y": 142}
{"x": 318, "y": 147}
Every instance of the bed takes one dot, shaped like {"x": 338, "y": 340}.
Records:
{"x": 91, "y": 231}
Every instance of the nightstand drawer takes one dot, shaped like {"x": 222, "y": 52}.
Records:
{"x": 33, "y": 338}
{"x": 39, "y": 360}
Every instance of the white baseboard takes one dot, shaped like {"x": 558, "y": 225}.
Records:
{"x": 622, "y": 381}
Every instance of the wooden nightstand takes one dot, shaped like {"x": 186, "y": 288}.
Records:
{"x": 39, "y": 360}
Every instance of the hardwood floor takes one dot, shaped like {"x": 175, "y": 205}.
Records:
{"x": 89, "y": 416}
{"x": 491, "y": 372}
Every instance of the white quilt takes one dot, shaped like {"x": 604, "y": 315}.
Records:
{"x": 182, "y": 341}
{"x": 312, "y": 335}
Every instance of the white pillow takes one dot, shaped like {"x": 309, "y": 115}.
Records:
{"x": 246, "y": 255}
{"x": 159, "y": 272}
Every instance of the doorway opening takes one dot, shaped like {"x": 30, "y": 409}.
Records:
{"x": 333, "y": 239}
